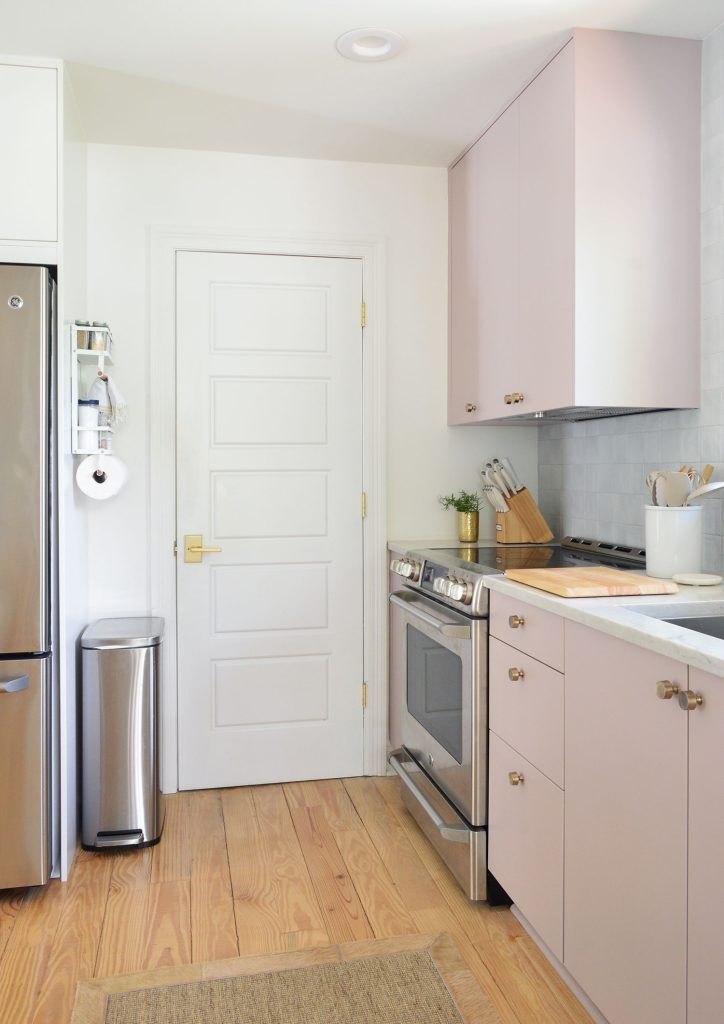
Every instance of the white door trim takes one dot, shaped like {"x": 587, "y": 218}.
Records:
{"x": 163, "y": 244}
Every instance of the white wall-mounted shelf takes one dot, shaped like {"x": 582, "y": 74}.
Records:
{"x": 83, "y": 359}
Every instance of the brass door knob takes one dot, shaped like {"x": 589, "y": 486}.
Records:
{"x": 665, "y": 690}
{"x": 516, "y": 778}
{"x": 514, "y": 674}
{"x": 690, "y": 701}
{"x": 515, "y": 621}
{"x": 470, "y": 407}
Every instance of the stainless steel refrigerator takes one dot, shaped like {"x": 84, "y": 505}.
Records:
{"x": 26, "y": 575}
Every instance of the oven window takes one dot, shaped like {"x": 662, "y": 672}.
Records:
{"x": 435, "y": 690}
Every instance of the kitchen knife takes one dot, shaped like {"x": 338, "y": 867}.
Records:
{"x": 512, "y": 475}
{"x": 497, "y": 478}
{"x": 504, "y": 476}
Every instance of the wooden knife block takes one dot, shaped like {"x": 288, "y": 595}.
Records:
{"x": 524, "y": 524}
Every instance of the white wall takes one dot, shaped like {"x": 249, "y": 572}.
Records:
{"x": 131, "y": 189}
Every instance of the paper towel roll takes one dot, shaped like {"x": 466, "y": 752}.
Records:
{"x": 101, "y": 476}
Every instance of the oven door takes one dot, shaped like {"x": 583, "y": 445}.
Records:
{"x": 444, "y": 696}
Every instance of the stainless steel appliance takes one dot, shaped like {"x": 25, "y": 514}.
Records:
{"x": 440, "y": 623}
{"x": 26, "y": 555}
{"x": 122, "y": 804}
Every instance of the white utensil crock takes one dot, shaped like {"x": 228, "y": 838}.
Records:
{"x": 673, "y": 540}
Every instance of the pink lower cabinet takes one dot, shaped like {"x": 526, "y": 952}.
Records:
{"x": 525, "y": 844}
{"x": 706, "y": 850}
{"x": 625, "y": 920}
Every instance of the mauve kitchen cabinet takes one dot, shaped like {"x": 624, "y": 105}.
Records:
{"x": 574, "y": 238}
{"x": 706, "y": 850}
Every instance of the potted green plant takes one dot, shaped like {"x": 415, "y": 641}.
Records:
{"x": 467, "y": 506}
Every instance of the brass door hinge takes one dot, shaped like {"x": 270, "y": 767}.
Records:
{"x": 363, "y": 315}
{"x": 175, "y": 549}
{"x": 364, "y": 696}
{"x": 364, "y": 504}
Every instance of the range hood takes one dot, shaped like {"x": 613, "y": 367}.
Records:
{"x": 574, "y": 414}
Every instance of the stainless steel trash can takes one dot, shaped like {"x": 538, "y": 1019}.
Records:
{"x": 121, "y": 800}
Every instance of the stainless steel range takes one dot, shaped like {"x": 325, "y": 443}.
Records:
{"x": 439, "y": 631}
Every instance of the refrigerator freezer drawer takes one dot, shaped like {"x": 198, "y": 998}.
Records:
{"x": 24, "y": 781}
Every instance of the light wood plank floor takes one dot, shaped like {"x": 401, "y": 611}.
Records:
{"x": 262, "y": 870}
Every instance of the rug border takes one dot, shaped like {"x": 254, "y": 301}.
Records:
{"x": 473, "y": 1004}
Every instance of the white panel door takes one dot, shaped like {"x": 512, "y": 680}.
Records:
{"x": 269, "y": 469}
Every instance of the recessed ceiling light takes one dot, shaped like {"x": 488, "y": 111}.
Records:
{"x": 369, "y": 44}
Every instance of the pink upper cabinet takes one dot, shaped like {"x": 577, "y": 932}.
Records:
{"x": 574, "y": 237}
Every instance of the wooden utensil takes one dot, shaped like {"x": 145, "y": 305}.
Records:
{"x": 598, "y": 581}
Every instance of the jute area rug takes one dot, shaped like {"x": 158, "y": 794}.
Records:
{"x": 418, "y": 979}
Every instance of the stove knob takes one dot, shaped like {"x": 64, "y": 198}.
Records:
{"x": 409, "y": 570}
{"x": 456, "y": 591}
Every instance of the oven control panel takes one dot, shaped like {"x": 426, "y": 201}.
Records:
{"x": 455, "y": 586}
{"x": 407, "y": 568}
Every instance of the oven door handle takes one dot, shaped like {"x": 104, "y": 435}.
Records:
{"x": 453, "y": 833}
{"x": 459, "y": 632}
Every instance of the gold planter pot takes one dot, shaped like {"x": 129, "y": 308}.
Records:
{"x": 468, "y": 527}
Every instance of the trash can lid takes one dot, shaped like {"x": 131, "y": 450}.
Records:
{"x": 137, "y": 631}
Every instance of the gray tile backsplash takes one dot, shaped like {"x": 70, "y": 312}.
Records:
{"x": 591, "y": 475}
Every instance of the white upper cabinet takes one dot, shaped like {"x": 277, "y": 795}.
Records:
{"x": 574, "y": 237}
{"x": 28, "y": 153}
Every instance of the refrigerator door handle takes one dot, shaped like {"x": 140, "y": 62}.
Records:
{"x": 14, "y": 685}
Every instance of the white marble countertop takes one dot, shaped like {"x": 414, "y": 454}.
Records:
{"x": 637, "y": 619}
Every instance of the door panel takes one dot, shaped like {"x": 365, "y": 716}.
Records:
{"x": 625, "y": 836}
{"x": 24, "y": 841}
{"x": 270, "y": 470}
{"x": 24, "y": 382}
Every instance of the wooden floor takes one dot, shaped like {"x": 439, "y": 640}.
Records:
{"x": 261, "y": 870}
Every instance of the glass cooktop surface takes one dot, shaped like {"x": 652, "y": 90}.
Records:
{"x": 537, "y": 556}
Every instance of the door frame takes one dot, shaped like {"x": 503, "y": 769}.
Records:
{"x": 163, "y": 245}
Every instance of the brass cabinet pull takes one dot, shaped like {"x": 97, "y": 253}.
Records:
{"x": 513, "y": 398}
{"x": 690, "y": 701}
{"x": 514, "y": 674}
{"x": 515, "y": 621}
{"x": 470, "y": 407}
{"x": 516, "y": 778}
{"x": 665, "y": 690}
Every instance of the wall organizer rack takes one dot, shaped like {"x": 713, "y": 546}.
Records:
{"x": 91, "y": 346}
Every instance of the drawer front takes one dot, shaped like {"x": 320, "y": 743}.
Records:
{"x": 526, "y": 707}
{"x": 525, "y": 841}
{"x": 540, "y": 633}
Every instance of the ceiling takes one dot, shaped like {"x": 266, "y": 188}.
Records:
{"x": 263, "y": 76}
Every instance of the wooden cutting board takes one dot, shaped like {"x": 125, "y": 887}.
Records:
{"x": 595, "y": 582}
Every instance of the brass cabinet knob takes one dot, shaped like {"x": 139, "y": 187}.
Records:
{"x": 508, "y": 399}
{"x": 470, "y": 407}
{"x": 518, "y": 397}
{"x": 665, "y": 690}
{"x": 516, "y": 778}
{"x": 514, "y": 674}
{"x": 690, "y": 701}
{"x": 515, "y": 621}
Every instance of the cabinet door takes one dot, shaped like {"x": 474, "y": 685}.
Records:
{"x": 625, "y": 843}
{"x": 525, "y": 840}
{"x": 706, "y": 850}
{"x": 499, "y": 257}
{"x": 28, "y": 154}
{"x": 464, "y": 399}
{"x": 544, "y": 354}
{"x": 484, "y": 273}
